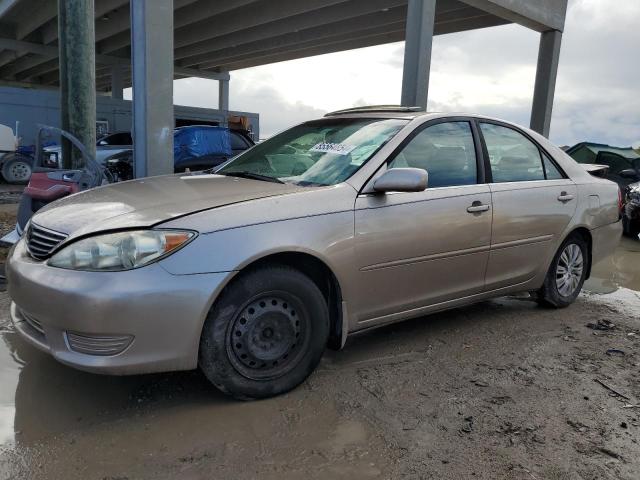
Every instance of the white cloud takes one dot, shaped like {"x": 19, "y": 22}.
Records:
{"x": 489, "y": 71}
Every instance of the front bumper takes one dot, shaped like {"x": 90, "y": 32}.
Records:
{"x": 157, "y": 317}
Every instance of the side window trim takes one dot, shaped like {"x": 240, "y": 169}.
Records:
{"x": 483, "y": 174}
{"x": 541, "y": 151}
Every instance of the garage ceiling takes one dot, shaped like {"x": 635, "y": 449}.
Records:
{"x": 218, "y": 36}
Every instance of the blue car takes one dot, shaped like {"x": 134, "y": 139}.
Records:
{"x": 196, "y": 147}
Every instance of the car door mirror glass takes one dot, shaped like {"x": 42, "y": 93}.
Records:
{"x": 402, "y": 180}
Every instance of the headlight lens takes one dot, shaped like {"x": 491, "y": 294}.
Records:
{"x": 121, "y": 250}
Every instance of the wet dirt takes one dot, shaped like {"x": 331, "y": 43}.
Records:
{"x": 499, "y": 390}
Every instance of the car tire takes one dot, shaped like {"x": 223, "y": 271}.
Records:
{"x": 265, "y": 334}
{"x": 17, "y": 170}
{"x": 566, "y": 275}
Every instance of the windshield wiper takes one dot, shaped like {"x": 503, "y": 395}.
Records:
{"x": 252, "y": 176}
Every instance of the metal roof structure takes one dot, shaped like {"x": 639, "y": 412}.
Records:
{"x": 148, "y": 43}
{"x": 213, "y": 36}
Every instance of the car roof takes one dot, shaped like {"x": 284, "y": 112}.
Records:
{"x": 407, "y": 113}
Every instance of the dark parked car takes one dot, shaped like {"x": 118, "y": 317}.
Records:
{"x": 623, "y": 168}
{"x": 631, "y": 215}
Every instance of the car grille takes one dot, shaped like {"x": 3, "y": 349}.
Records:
{"x": 42, "y": 241}
{"x": 103, "y": 345}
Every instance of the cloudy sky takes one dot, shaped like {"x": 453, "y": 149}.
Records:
{"x": 489, "y": 71}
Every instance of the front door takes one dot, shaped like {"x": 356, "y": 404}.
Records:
{"x": 423, "y": 248}
{"x": 533, "y": 202}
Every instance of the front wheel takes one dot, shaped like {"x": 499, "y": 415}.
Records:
{"x": 265, "y": 334}
{"x": 566, "y": 275}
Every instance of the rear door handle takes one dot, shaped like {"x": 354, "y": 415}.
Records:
{"x": 477, "y": 207}
{"x": 565, "y": 197}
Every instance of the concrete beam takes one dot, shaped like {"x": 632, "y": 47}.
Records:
{"x": 153, "y": 122}
{"x": 49, "y": 33}
{"x": 6, "y": 6}
{"x": 417, "y": 52}
{"x": 203, "y": 11}
{"x": 379, "y": 39}
{"x": 119, "y": 20}
{"x": 546, "y": 73}
{"x": 540, "y": 15}
{"x": 41, "y": 13}
{"x": 313, "y": 35}
{"x": 261, "y": 32}
{"x": 353, "y": 28}
{"x": 239, "y": 19}
{"x": 344, "y": 40}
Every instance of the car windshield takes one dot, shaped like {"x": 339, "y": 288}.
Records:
{"x": 321, "y": 152}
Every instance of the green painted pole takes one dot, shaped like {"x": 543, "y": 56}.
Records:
{"x": 77, "y": 53}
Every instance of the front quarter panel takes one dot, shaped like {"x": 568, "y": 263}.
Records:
{"x": 319, "y": 223}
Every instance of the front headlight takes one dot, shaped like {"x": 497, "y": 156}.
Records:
{"x": 121, "y": 250}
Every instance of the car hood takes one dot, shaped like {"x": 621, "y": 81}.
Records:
{"x": 148, "y": 201}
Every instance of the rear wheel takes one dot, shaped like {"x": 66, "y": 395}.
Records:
{"x": 566, "y": 274}
{"x": 17, "y": 169}
{"x": 265, "y": 334}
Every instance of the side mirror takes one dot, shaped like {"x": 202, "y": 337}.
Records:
{"x": 402, "y": 180}
{"x": 629, "y": 173}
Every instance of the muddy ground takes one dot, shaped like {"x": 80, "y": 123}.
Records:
{"x": 499, "y": 390}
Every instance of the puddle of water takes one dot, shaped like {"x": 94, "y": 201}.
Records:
{"x": 57, "y": 422}
{"x": 620, "y": 269}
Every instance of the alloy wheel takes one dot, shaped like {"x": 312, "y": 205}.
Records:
{"x": 569, "y": 270}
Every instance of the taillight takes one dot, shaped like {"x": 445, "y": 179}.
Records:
{"x": 620, "y": 202}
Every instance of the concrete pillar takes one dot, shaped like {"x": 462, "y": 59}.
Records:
{"x": 117, "y": 81}
{"x": 152, "y": 69}
{"x": 223, "y": 97}
{"x": 545, "y": 86}
{"x": 417, "y": 52}
{"x": 76, "y": 46}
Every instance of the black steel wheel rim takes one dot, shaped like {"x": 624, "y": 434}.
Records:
{"x": 268, "y": 336}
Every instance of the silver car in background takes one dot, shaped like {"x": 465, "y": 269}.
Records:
{"x": 359, "y": 219}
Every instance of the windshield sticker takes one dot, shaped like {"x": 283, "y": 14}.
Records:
{"x": 336, "y": 148}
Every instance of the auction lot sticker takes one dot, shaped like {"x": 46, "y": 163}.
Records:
{"x": 336, "y": 148}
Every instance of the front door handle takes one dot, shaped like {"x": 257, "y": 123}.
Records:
{"x": 477, "y": 207}
{"x": 565, "y": 197}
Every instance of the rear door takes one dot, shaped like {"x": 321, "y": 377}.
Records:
{"x": 415, "y": 249}
{"x": 533, "y": 202}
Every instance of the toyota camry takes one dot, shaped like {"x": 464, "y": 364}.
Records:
{"x": 362, "y": 218}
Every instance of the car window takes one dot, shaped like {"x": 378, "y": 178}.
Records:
{"x": 123, "y": 138}
{"x": 446, "y": 151}
{"x": 513, "y": 157}
{"x": 237, "y": 142}
{"x": 550, "y": 169}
